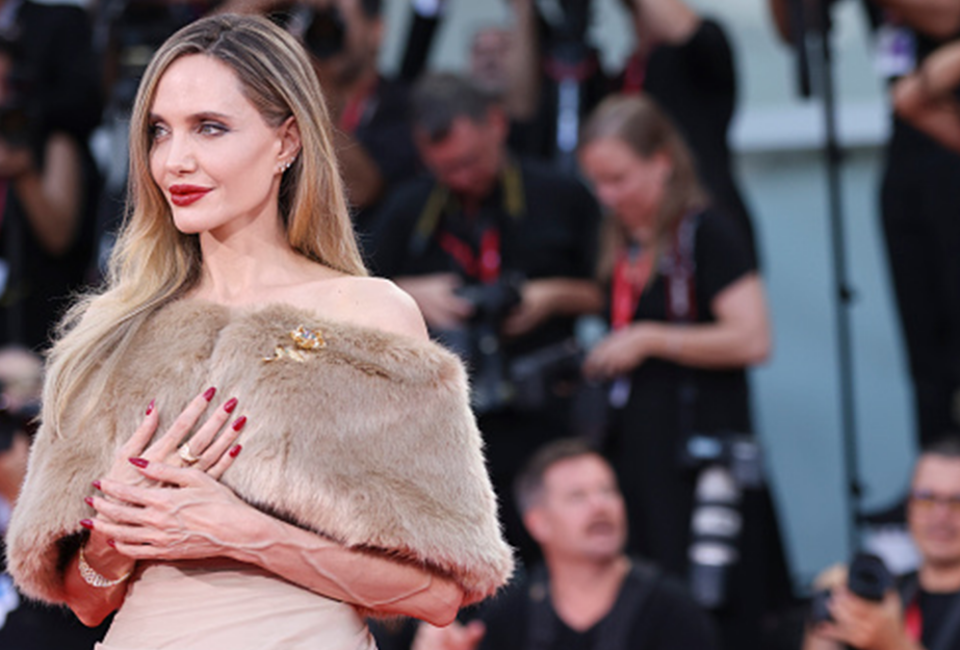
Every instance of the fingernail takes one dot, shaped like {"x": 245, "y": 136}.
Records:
{"x": 242, "y": 420}
{"x": 96, "y": 485}
{"x": 210, "y": 393}
{"x": 88, "y": 501}
{"x": 87, "y": 523}
{"x": 150, "y": 406}
{"x": 230, "y": 405}
{"x": 140, "y": 462}
{"x": 235, "y": 450}
{"x": 111, "y": 543}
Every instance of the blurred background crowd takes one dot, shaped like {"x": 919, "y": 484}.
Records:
{"x": 616, "y": 211}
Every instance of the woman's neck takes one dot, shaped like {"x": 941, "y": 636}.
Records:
{"x": 243, "y": 266}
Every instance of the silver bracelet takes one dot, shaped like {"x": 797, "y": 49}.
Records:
{"x": 94, "y": 579}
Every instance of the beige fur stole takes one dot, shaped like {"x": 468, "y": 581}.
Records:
{"x": 368, "y": 440}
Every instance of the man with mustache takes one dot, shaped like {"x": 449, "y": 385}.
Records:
{"x": 588, "y": 594}
{"x": 924, "y": 613}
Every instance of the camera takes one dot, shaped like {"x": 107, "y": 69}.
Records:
{"x": 478, "y": 341}
{"x": 738, "y": 451}
{"x": 867, "y": 577}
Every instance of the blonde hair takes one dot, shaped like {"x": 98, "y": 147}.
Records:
{"x": 639, "y": 123}
{"x": 152, "y": 262}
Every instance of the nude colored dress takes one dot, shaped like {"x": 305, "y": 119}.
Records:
{"x": 229, "y": 606}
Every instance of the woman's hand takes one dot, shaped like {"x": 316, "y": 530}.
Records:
{"x": 205, "y": 445}
{"x": 179, "y": 514}
{"x": 622, "y": 351}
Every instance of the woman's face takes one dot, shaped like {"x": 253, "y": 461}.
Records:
{"x": 626, "y": 183}
{"x": 212, "y": 154}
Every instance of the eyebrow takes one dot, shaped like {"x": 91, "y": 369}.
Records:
{"x": 196, "y": 117}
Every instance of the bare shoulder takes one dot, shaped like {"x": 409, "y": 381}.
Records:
{"x": 371, "y": 302}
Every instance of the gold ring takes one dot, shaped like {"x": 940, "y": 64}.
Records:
{"x": 186, "y": 455}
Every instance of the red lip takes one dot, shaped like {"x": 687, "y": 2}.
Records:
{"x": 183, "y": 195}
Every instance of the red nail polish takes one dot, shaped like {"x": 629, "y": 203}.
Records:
{"x": 140, "y": 462}
{"x": 96, "y": 485}
{"x": 87, "y": 523}
{"x": 88, "y": 501}
{"x": 111, "y": 543}
{"x": 210, "y": 393}
{"x": 235, "y": 450}
{"x": 242, "y": 420}
{"x": 150, "y": 406}
{"x": 230, "y": 405}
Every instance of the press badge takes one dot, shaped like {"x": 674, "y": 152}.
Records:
{"x": 896, "y": 51}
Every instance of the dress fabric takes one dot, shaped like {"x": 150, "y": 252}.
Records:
{"x": 193, "y": 606}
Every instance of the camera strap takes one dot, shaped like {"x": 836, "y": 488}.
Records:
{"x": 479, "y": 258}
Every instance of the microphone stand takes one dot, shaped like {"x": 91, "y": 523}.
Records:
{"x": 810, "y": 21}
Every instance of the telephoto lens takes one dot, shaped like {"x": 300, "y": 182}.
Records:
{"x": 715, "y": 525}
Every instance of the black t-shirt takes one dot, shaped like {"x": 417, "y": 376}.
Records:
{"x": 935, "y": 609}
{"x": 553, "y": 234}
{"x": 721, "y": 258}
{"x": 667, "y": 619}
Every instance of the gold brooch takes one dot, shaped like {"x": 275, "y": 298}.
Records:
{"x": 303, "y": 340}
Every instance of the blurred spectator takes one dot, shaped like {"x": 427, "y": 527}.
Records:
{"x": 682, "y": 60}
{"x": 688, "y": 317}
{"x": 920, "y": 199}
{"x": 589, "y": 593}
{"x": 923, "y": 611}
{"x": 685, "y": 62}
{"x": 373, "y": 139}
{"x": 50, "y": 99}
{"x": 128, "y": 33}
{"x": 489, "y": 59}
{"x": 499, "y": 255}
{"x": 26, "y": 625}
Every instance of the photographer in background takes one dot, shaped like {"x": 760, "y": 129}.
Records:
{"x": 588, "y": 593}
{"x": 498, "y": 253}
{"x": 919, "y": 203}
{"x": 924, "y": 611}
{"x": 49, "y": 101}
{"x": 688, "y": 318}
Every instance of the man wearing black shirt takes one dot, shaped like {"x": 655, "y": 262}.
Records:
{"x": 925, "y": 612}
{"x": 483, "y": 222}
{"x": 589, "y": 595}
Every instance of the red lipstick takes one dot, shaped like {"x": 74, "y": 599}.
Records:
{"x": 183, "y": 195}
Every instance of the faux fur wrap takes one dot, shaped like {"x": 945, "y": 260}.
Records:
{"x": 369, "y": 441}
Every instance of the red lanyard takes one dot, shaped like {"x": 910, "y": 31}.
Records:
{"x": 630, "y": 275}
{"x": 486, "y": 266}
{"x": 635, "y": 74}
{"x": 913, "y": 621}
{"x": 356, "y": 108}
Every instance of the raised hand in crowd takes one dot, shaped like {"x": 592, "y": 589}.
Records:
{"x": 928, "y": 97}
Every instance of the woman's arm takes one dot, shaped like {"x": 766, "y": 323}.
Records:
{"x": 739, "y": 337}
{"x": 927, "y": 97}
{"x": 53, "y": 197}
{"x": 200, "y": 518}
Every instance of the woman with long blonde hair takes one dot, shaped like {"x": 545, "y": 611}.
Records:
{"x": 688, "y": 318}
{"x": 360, "y": 487}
